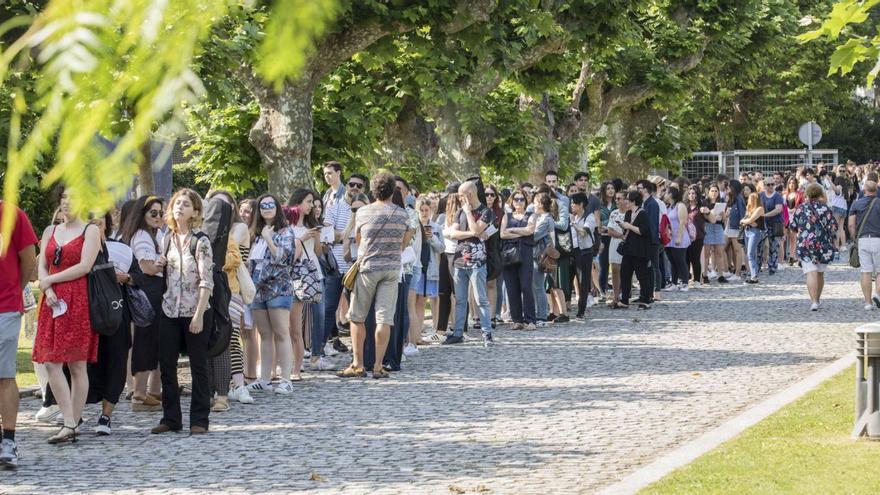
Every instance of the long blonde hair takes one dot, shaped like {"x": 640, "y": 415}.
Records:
{"x": 754, "y": 202}
{"x": 196, "y": 200}
{"x": 453, "y": 204}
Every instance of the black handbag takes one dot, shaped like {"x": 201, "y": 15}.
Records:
{"x": 329, "y": 265}
{"x": 142, "y": 313}
{"x": 778, "y": 229}
{"x": 510, "y": 255}
{"x": 106, "y": 304}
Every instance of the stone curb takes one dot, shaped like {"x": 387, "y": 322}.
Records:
{"x": 690, "y": 451}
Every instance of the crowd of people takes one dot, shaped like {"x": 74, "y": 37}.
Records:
{"x": 251, "y": 289}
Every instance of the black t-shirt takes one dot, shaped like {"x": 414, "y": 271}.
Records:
{"x": 636, "y": 245}
{"x": 471, "y": 252}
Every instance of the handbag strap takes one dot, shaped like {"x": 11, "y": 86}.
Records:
{"x": 865, "y": 218}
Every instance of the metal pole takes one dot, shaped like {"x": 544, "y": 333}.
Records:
{"x": 810, "y": 146}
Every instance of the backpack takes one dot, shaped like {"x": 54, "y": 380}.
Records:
{"x": 665, "y": 230}
{"x": 217, "y": 221}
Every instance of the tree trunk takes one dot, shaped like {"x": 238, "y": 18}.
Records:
{"x": 461, "y": 151}
{"x": 409, "y": 138}
{"x": 620, "y": 136}
{"x": 283, "y": 137}
{"x": 145, "y": 169}
{"x": 549, "y": 143}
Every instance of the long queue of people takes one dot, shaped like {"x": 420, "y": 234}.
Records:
{"x": 249, "y": 290}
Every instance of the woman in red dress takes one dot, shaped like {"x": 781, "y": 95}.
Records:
{"x": 64, "y": 330}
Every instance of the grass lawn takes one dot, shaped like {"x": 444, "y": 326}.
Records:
{"x": 803, "y": 448}
{"x": 25, "y": 376}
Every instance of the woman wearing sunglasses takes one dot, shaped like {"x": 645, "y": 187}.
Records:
{"x": 270, "y": 262}
{"x": 142, "y": 231}
{"x": 517, "y": 229}
{"x": 64, "y": 330}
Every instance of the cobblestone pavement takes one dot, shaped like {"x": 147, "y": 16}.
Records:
{"x": 567, "y": 409}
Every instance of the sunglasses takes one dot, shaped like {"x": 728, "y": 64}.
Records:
{"x": 490, "y": 195}
{"x": 356, "y": 185}
{"x": 519, "y": 200}
{"x": 57, "y": 259}
{"x": 155, "y": 213}
{"x": 267, "y": 206}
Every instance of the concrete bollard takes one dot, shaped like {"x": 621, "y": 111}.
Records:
{"x": 867, "y": 382}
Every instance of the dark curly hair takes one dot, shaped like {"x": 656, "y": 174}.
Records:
{"x": 383, "y": 185}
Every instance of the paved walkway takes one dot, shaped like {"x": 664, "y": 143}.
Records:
{"x": 562, "y": 410}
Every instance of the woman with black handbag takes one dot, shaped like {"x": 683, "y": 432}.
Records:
{"x": 517, "y": 228}
{"x": 583, "y": 227}
{"x": 107, "y": 375}
{"x": 64, "y": 330}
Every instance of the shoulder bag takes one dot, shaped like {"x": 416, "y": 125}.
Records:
{"x": 105, "y": 295}
{"x": 854, "y": 249}
{"x": 307, "y": 284}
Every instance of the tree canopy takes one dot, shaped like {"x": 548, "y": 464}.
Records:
{"x": 263, "y": 91}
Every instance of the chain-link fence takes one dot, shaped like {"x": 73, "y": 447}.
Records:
{"x": 732, "y": 163}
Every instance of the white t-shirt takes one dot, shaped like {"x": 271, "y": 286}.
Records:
{"x": 143, "y": 249}
{"x": 120, "y": 255}
{"x": 587, "y": 222}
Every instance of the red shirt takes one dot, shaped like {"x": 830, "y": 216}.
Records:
{"x": 23, "y": 235}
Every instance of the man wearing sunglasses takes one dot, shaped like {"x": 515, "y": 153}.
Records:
{"x": 18, "y": 262}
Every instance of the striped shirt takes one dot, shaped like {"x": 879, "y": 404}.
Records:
{"x": 337, "y": 213}
{"x": 382, "y": 228}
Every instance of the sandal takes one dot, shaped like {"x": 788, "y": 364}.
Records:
{"x": 63, "y": 436}
{"x": 381, "y": 373}
{"x": 352, "y": 372}
{"x": 619, "y": 305}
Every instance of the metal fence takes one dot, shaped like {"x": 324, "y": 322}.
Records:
{"x": 731, "y": 163}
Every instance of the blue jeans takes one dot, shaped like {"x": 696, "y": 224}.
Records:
{"x": 753, "y": 237}
{"x": 542, "y": 307}
{"x": 332, "y": 294}
{"x": 316, "y": 324}
{"x": 475, "y": 277}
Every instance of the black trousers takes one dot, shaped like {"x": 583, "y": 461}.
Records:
{"x": 693, "y": 256}
{"x": 107, "y": 375}
{"x": 642, "y": 270}
{"x": 518, "y": 284}
{"x": 678, "y": 260}
{"x": 145, "y": 346}
{"x": 446, "y": 288}
{"x": 173, "y": 334}
{"x": 585, "y": 273}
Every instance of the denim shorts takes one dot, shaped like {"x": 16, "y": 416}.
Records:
{"x": 280, "y": 302}
{"x": 838, "y": 211}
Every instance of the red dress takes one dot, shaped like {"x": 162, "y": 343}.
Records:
{"x": 69, "y": 337}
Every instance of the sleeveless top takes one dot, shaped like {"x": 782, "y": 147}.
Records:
{"x": 521, "y": 242}
{"x": 672, "y": 214}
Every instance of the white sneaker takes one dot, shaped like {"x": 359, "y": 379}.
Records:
{"x": 260, "y": 386}
{"x": 542, "y": 324}
{"x": 322, "y": 364}
{"x": 410, "y": 350}
{"x": 733, "y": 277}
{"x": 726, "y": 275}
{"x": 284, "y": 388}
{"x": 814, "y": 307}
{"x": 712, "y": 275}
{"x": 684, "y": 288}
{"x": 241, "y": 394}
{"x": 590, "y": 301}
{"x": 329, "y": 350}
{"x": 670, "y": 288}
{"x": 697, "y": 285}
{"x": 307, "y": 353}
{"x": 869, "y": 307}
{"x": 48, "y": 415}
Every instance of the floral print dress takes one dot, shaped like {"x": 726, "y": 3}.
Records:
{"x": 816, "y": 230}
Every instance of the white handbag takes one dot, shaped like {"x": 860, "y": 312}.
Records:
{"x": 245, "y": 284}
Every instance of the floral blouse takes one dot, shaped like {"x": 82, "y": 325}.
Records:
{"x": 185, "y": 275}
{"x": 272, "y": 274}
{"x": 816, "y": 230}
